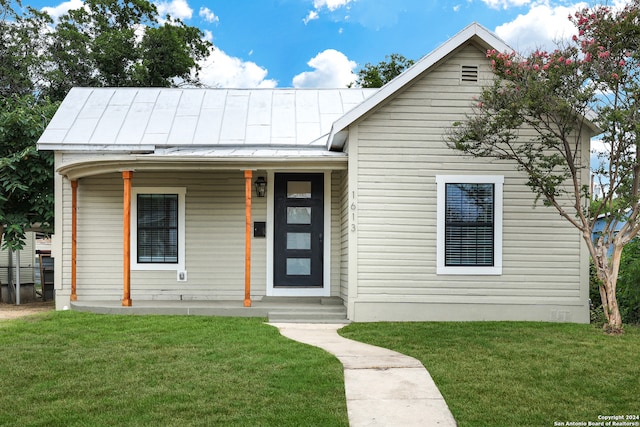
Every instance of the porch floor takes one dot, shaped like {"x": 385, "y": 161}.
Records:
{"x": 275, "y": 309}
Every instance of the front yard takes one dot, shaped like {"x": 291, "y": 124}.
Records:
{"x": 71, "y": 369}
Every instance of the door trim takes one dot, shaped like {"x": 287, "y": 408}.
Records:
{"x": 325, "y": 290}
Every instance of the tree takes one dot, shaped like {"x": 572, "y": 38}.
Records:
{"x": 26, "y": 175}
{"x": 104, "y": 43}
{"x": 21, "y": 42}
{"x": 122, "y": 43}
{"x": 372, "y": 76}
{"x": 595, "y": 75}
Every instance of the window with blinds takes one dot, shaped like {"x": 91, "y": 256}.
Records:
{"x": 157, "y": 228}
{"x": 469, "y": 224}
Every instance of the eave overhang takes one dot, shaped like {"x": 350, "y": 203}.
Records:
{"x": 197, "y": 160}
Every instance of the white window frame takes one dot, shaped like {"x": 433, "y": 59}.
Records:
{"x": 498, "y": 182}
{"x": 180, "y": 265}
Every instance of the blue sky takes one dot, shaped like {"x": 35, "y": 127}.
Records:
{"x": 322, "y": 43}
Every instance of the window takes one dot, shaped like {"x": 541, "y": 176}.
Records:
{"x": 157, "y": 228}
{"x": 157, "y": 234}
{"x": 469, "y": 221}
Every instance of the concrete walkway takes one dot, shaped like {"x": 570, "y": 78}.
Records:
{"x": 383, "y": 387}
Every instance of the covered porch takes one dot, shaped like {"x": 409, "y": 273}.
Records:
{"x": 230, "y": 265}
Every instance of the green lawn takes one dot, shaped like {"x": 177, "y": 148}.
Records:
{"x": 520, "y": 374}
{"x": 78, "y": 369}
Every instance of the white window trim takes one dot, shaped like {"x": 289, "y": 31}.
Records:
{"x": 497, "y": 181}
{"x": 180, "y": 265}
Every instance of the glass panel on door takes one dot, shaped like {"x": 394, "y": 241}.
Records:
{"x": 299, "y": 189}
{"x": 298, "y": 215}
{"x": 298, "y": 266}
{"x": 298, "y": 240}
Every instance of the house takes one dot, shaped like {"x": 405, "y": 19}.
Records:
{"x": 612, "y": 231}
{"x": 158, "y": 198}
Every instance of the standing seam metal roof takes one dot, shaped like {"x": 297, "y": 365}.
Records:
{"x": 143, "y": 119}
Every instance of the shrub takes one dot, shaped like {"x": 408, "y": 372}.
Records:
{"x": 629, "y": 283}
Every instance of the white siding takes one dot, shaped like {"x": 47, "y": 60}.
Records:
{"x": 400, "y": 151}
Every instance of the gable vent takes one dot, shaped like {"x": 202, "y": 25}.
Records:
{"x": 469, "y": 73}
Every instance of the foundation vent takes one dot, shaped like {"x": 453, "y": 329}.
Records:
{"x": 469, "y": 73}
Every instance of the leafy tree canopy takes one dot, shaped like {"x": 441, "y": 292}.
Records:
{"x": 117, "y": 43}
{"x": 26, "y": 175}
{"x": 22, "y": 41}
{"x": 372, "y": 76}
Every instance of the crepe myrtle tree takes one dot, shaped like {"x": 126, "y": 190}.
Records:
{"x": 592, "y": 77}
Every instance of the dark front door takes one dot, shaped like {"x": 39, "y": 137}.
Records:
{"x": 298, "y": 229}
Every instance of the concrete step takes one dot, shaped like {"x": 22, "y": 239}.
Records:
{"x": 303, "y": 300}
{"x": 305, "y": 309}
{"x": 308, "y": 316}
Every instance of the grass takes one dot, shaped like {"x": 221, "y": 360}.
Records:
{"x": 79, "y": 369}
{"x": 520, "y": 374}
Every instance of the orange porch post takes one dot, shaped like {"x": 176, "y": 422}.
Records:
{"x": 74, "y": 230}
{"x": 247, "y": 256}
{"x": 126, "y": 300}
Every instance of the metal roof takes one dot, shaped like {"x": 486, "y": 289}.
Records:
{"x": 147, "y": 119}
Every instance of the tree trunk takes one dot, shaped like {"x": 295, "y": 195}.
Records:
{"x": 607, "y": 271}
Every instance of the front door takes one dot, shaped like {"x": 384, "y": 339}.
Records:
{"x": 298, "y": 230}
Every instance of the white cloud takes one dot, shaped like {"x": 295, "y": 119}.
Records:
{"x": 310, "y": 17}
{"x": 505, "y": 4}
{"x": 208, "y": 15}
{"x": 539, "y": 28}
{"x": 176, "y": 8}
{"x": 332, "y": 69}
{"x": 330, "y": 4}
{"x": 59, "y": 10}
{"x": 208, "y": 35}
{"x": 222, "y": 70}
